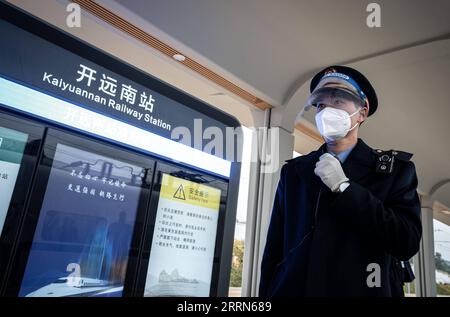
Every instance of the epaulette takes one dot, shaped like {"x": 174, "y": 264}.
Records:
{"x": 386, "y": 159}
{"x": 401, "y": 155}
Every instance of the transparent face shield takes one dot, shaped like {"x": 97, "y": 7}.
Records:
{"x": 337, "y": 97}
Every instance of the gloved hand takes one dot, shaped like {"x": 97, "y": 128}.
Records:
{"x": 329, "y": 169}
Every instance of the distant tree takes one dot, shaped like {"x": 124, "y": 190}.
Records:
{"x": 237, "y": 264}
{"x": 441, "y": 264}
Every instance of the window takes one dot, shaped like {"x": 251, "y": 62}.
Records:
{"x": 241, "y": 216}
{"x": 442, "y": 257}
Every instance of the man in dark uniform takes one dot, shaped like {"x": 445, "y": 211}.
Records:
{"x": 345, "y": 215}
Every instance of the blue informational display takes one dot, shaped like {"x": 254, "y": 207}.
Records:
{"x": 43, "y": 106}
{"x": 82, "y": 239}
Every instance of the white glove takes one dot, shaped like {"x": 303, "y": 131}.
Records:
{"x": 329, "y": 169}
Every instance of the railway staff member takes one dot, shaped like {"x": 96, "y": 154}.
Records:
{"x": 345, "y": 215}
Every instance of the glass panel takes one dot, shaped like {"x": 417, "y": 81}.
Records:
{"x": 84, "y": 231}
{"x": 442, "y": 257}
{"x": 12, "y": 146}
{"x": 184, "y": 239}
{"x": 237, "y": 263}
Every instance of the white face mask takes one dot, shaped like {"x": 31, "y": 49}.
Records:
{"x": 334, "y": 124}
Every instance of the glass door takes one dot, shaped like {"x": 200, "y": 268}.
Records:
{"x": 83, "y": 228}
{"x": 19, "y": 146}
{"x": 183, "y": 239}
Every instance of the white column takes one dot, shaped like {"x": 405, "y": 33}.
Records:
{"x": 424, "y": 263}
{"x": 275, "y": 145}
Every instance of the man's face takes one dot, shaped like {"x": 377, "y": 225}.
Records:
{"x": 347, "y": 105}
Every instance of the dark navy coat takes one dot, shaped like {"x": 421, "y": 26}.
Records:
{"x": 322, "y": 243}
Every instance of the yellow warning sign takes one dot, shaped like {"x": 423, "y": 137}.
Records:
{"x": 179, "y": 194}
{"x": 181, "y": 190}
